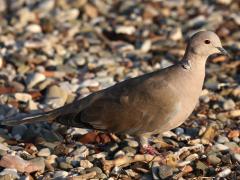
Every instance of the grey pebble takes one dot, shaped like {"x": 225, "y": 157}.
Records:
{"x": 229, "y": 104}
{"x": 45, "y": 152}
{"x": 11, "y": 172}
{"x": 213, "y": 159}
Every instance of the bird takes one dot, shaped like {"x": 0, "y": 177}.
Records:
{"x": 149, "y": 104}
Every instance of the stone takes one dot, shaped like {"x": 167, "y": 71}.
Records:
{"x": 229, "y": 104}
{"x": 220, "y": 147}
{"x": 85, "y": 164}
{"x": 224, "y": 2}
{"x": 222, "y": 139}
{"x": 213, "y": 159}
{"x": 82, "y": 152}
{"x": 60, "y": 174}
{"x": 24, "y": 97}
{"x": 33, "y": 79}
{"x": 125, "y": 30}
{"x": 237, "y": 157}
{"x": 179, "y": 131}
{"x": 11, "y": 172}
{"x": 34, "y": 28}
{"x": 56, "y": 96}
{"x": 176, "y": 34}
{"x": 132, "y": 143}
{"x": 77, "y": 131}
{"x": 224, "y": 173}
{"x": 146, "y": 46}
{"x": 165, "y": 171}
{"x": 65, "y": 166}
{"x": 45, "y": 152}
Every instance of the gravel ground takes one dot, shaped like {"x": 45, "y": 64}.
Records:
{"x": 55, "y": 51}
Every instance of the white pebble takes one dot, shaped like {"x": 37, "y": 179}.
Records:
{"x": 34, "y": 28}
{"x": 224, "y": 173}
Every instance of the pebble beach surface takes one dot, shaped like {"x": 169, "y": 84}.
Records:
{"x": 55, "y": 51}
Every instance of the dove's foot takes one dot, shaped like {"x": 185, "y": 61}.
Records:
{"x": 149, "y": 150}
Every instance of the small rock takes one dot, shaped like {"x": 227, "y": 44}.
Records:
{"x": 146, "y": 46}
{"x": 165, "y": 171}
{"x": 91, "y": 10}
{"x": 89, "y": 83}
{"x": 119, "y": 154}
{"x": 34, "y": 28}
{"x": 45, "y": 152}
{"x": 56, "y": 96}
{"x": 213, "y": 159}
{"x": 86, "y": 164}
{"x": 125, "y": 30}
{"x": 224, "y": 2}
{"x": 229, "y": 104}
{"x": 11, "y": 172}
{"x": 132, "y": 143}
{"x": 83, "y": 152}
{"x": 176, "y": 34}
{"x": 65, "y": 166}
{"x": 96, "y": 169}
{"x": 24, "y": 97}
{"x": 77, "y": 131}
{"x": 222, "y": 139}
{"x": 220, "y": 147}
{"x": 51, "y": 159}
{"x": 129, "y": 151}
{"x": 200, "y": 165}
{"x": 60, "y": 174}
{"x": 179, "y": 131}
{"x": 233, "y": 134}
{"x": 33, "y": 79}
{"x": 237, "y": 157}
{"x": 224, "y": 173}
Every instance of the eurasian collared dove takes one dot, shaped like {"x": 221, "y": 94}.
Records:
{"x": 152, "y": 103}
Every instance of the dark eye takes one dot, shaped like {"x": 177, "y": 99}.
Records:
{"x": 207, "y": 41}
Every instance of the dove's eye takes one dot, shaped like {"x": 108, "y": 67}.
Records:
{"x": 207, "y": 41}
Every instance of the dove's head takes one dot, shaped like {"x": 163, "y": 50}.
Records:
{"x": 205, "y": 43}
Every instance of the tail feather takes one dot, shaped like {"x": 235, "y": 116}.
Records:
{"x": 46, "y": 116}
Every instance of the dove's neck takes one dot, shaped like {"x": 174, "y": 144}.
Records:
{"x": 194, "y": 62}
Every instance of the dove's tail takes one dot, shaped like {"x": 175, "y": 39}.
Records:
{"x": 33, "y": 118}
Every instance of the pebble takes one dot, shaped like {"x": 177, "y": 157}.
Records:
{"x": 165, "y": 171}
{"x": 60, "y": 174}
{"x": 24, "y": 97}
{"x": 56, "y": 96}
{"x": 237, "y": 157}
{"x": 82, "y": 152}
{"x": 132, "y": 143}
{"x": 222, "y": 139}
{"x": 213, "y": 159}
{"x": 33, "y": 79}
{"x": 229, "y": 104}
{"x": 86, "y": 164}
{"x": 220, "y": 147}
{"x": 125, "y": 29}
{"x": 65, "y": 166}
{"x": 45, "y": 152}
{"x": 11, "y": 172}
{"x": 34, "y": 28}
{"x": 224, "y": 173}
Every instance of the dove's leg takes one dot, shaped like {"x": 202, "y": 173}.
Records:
{"x": 145, "y": 147}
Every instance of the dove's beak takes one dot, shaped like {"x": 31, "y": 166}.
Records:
{"x": 223, "y": 51}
